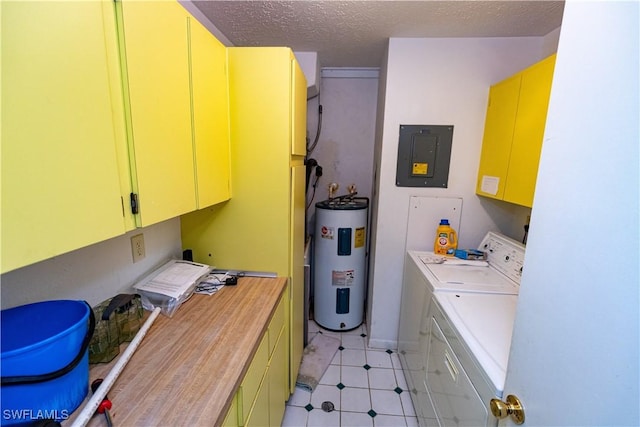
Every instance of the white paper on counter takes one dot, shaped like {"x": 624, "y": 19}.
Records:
{"x": 174, "y": 278}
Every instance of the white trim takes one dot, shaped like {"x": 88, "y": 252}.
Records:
{"x": 350, "y": 73}
{"x": 381, "y": 344}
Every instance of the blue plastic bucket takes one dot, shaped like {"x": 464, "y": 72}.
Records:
{"x": 45, "y": 362}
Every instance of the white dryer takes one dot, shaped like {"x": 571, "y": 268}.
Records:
{"x": 455, "y": 331}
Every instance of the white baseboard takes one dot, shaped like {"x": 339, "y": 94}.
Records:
{"x": 382, "y": 344}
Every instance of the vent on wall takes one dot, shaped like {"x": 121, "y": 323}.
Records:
{"x": 311, "y": 68}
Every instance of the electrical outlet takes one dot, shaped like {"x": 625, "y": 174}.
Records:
{"x": 137, "y": 247}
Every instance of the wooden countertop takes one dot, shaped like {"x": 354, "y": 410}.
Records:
{"x": 188, "y": 367}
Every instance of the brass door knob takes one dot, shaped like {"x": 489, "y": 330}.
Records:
{"x": 512, "y": 407}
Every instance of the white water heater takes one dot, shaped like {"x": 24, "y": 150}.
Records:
{"x": 340, "y": 262}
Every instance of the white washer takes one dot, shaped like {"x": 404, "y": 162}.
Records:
{"x": 455, "y": 331}
{"x": 500, "y": 273}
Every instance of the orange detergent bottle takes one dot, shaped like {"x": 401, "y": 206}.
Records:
{"x": 446, "y": 239}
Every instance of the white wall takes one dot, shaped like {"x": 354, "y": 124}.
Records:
{"x": 94, "y": 273}
{"x": 440, "y": 82}
{"x": 550, "y": 42}
{"x": 345, "y": 147}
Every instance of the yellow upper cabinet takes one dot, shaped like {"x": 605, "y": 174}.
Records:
{"x": 102, "y": 100}
{"x": 62, "y": 127}
{"x": 175, "y": 78}
{"x": 155, "y": 61}
{"x": 210, "y": 107}
{"x": 514, "y": 128}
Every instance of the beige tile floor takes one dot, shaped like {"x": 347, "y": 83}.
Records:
{"x": 365, "y": 385}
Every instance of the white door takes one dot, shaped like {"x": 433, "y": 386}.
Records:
{"x": 574, "y": 358}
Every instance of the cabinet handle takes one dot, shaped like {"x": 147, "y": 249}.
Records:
{"x": 453, "y": 371}
{"x": 134, "y": 203}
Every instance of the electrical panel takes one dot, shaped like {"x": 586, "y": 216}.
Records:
{"x": 424, "y": 154}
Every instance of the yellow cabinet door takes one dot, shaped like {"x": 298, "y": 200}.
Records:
{"x": 297, "y": 314}
{"x": 231, "y": 419}
{"x": 279, "y": 378}
{"x": 259, "y": 415}
{"x": 277, "y": 322}
{"x": 61, "y": 124}
{"x": 253, "y": 380}
{"x": 299, "y": 110}
{"x": 498, "y": 135}
{"x": 154, "y": 40}
{"x": 210, "y": 107}
{"x": 533, "y": 104}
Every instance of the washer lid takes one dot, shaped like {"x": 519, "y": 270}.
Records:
{"x": 485, "y": 324}
{"x": 453, "y": 277}
{"x": 482, "y": 279}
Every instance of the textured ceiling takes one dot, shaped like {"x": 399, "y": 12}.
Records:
{"x": 354, "y": 33}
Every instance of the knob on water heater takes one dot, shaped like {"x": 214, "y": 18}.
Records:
{"x": 333, "y": 187}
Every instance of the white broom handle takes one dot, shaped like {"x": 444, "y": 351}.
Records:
{"x": 93, "y": 403}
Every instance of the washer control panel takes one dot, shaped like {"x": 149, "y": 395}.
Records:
{"x": 504, "y": 254}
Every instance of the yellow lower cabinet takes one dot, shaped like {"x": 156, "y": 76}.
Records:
{"x": 279, "y": 362}
{"x": 259, "y": 414}
{"x": 231, "y": 420}
{"x": 260, "y": 401}
{"x": 253, "y": 380}
{"x": 279, "y": 378}
{"x": 276, "y": 324}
